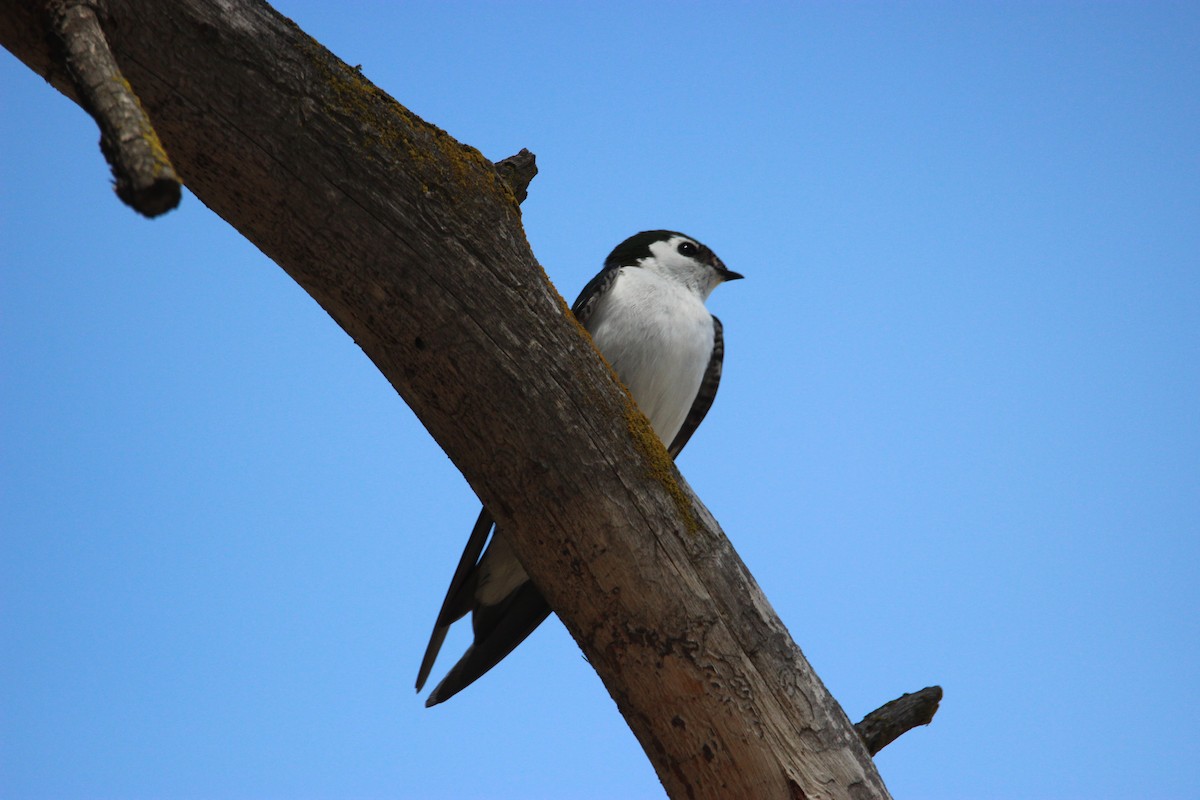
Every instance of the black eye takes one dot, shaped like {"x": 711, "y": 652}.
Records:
{"x": 687, "y": 249}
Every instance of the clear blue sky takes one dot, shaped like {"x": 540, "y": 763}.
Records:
{"x": 958, "y": 439}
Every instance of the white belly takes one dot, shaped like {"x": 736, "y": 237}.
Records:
{"x": 658, "y": 336}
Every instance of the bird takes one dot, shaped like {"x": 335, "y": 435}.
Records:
{"x": 645, "y": 312}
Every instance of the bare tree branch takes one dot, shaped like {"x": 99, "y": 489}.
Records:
{"x": 413, "y": 243}
{"x": 143, "y": 175}
{"x": 887, "y": 723}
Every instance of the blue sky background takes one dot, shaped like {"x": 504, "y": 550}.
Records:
{"x": 957, "y": 442}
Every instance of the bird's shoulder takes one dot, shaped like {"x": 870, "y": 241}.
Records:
{"x": 595, "y": 289}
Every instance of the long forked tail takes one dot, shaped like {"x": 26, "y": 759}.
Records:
{"x": 498, "y": 629}
{"x": 459, "y": 596}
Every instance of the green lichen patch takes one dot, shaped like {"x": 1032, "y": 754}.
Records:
{"x": 660, "y": 466}
{"x": 162, "y": 163}
{"x": 393, "y": 132}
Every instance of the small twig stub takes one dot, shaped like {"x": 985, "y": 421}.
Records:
{"x": 142, "y": 173}
{"x": 888, "y": 722}
{"x": 518, "y": 171}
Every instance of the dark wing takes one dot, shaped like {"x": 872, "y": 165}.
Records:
{"x": 596, "y": 288}
{"x": 498, "y": 629}
{"x": 706, "y": 394}
{"x": 461, "y": 594}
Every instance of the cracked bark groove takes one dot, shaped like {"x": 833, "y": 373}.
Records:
{"x": 413, "y": 243}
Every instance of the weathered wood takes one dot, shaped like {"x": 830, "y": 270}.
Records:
{"x": 142, "y": 174}
{"x": 891, "y": 720}
{"x": 518, "y": 171}
{"x": 413, "y": 243}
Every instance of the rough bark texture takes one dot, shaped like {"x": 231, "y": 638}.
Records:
{"x": 887, "y": 723}
{"x": 413, "y": 243}
{"x": 142, "y": 174}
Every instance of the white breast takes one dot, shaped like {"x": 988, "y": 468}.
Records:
{"x": 658, "y": 336}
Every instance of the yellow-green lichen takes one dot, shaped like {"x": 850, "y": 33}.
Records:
{"x": 399, "y": 133}
{"x": 660, "y": 466}
{"x": 162, "y": 163}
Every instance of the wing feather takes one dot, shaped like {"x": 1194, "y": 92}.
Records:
{"x": 596, "y": 288}
{"x": 706, "y": 394}
{"x": 461, "y": 594}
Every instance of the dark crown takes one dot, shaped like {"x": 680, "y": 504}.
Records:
{"x": 627, "y": 253}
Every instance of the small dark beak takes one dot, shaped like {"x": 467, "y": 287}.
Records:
{"x": 729, "y": 275}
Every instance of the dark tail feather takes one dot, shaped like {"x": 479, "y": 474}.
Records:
{"x": 516, "y": 618}
{"x": 459, "y": 596}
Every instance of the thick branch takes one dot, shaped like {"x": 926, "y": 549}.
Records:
{"x": 143, "y": 175}
{"x": 413, "y": 243}
{"x": 887, "y": 723}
